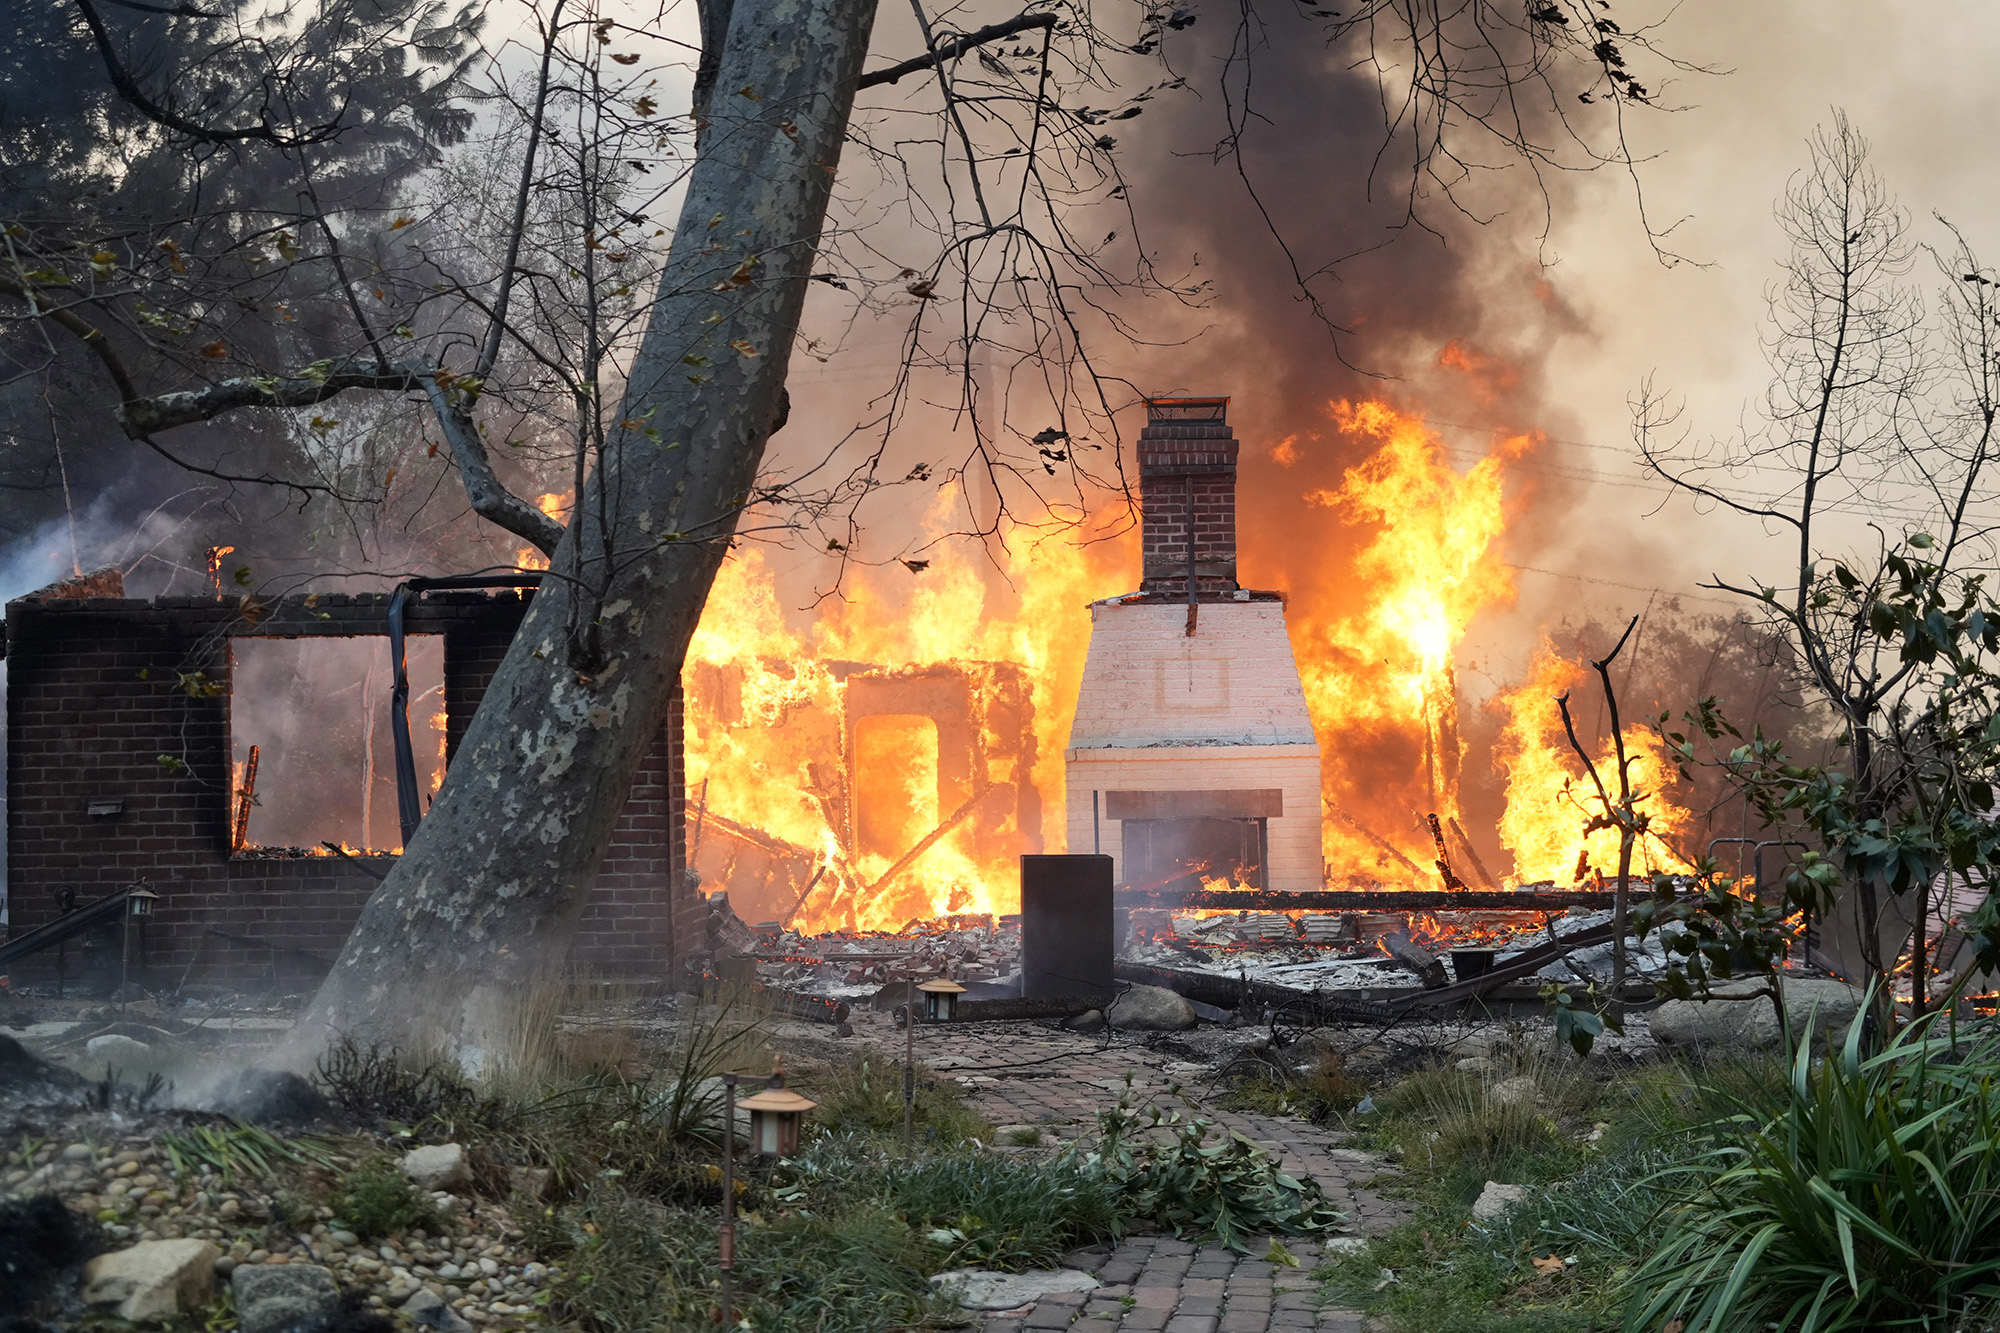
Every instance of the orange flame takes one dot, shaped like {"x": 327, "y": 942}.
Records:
{"x": 765, "y": 747}
{"x": 768, "y": 749}
{"x": 555, "y": 504}
{"x": 1380, "y": 676}
{"x": 1550, "y": 798}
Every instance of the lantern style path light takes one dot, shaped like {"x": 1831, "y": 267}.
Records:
{"x": 941, "y": 999}
{"x": 139, "y": 902}
{"x": 775, "y": 1116}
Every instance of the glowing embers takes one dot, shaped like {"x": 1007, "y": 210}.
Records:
{"x": 317, "y": 712}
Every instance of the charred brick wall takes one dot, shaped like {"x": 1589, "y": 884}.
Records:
{"x": 127, "y": 701}
{"x": 1187, "y": 482}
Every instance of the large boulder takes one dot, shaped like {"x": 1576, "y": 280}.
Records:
{"x": 1151, "y": 1009}
{"x": 277, "y": 1298}
{"x": 133, "y": 1061}
{"x": 438, "y": 1167}
{"x": 153, "y": 1280}
{"x": 1735, "y": 1016}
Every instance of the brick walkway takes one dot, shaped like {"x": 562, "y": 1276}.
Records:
{"x": 1156, "y": 1284}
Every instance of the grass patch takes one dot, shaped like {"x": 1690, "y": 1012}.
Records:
{"x": 1456, "y": 1131}
{"x": 1324, "y": 1090}
{"x": 864, "y": 1094}
{"x": 978, "y": 1207}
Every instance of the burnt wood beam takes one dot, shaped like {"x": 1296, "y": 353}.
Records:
{"x": 1363, "y": 900}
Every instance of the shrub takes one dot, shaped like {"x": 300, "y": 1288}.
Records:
{"x": 1870, "y": 1200}
{"x": 378, "y": 1200}
{"x": 386, "y": 1086}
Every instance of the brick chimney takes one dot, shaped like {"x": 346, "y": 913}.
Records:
{"x": 1187, "y": 496}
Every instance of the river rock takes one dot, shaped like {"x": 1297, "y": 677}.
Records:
{"x": 428, "y": 1308}
{"x": 439, "y": 1166}
{"x": 982, "y": 1289}
{"x": 153, "y": 1280}
{"x": 1731, "y": 1020}
{"x": 272, "y": 1298}
{"x": 1151, "y": 1009}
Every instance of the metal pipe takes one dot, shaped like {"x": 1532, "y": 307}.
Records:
{"x": 909, "y": 1057}
{"x": 409, "y": 813}
{"x": 1191, "y": 603}
{"x": 726, "y": 1264}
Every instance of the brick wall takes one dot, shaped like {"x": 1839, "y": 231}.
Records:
{"x": 110, "y": 698}
{"x": 1187, "y": 477}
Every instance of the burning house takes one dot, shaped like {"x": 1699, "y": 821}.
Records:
{"x": 1192, "y": 756}
{"x": 157, "y": 741}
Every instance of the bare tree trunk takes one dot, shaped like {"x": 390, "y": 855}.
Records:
{"x": 487, "y": 897}
{"x": 1621, "y": 907}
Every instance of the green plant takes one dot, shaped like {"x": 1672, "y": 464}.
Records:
{"x": 980, "y": 1207}
{"x": 1168, "y": 1170}
{"x": 634, "y": 1267}
{"x": 377, "y": 1200}
{"x": 1870, "y": 1200}
{"x": 1024, "y": 1136}
{"x": 1459, "y": 1130}
{"x": 238, "y": 1149}
{"x": 865, "y": 1093}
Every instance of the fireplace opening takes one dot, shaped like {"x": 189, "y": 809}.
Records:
{"x": 1182, "y": 853}
{"x": 1178, "y": 839}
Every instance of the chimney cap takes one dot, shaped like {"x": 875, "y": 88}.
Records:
{"x": 1187, "y": 409}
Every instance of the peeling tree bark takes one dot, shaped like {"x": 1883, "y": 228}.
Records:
{"x": 486, "y": 898}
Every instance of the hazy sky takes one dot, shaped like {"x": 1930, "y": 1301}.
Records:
{"x": 1914, "y": 85}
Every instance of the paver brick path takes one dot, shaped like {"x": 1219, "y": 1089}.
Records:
{"x": 1057, "y": 1082}
{"x": 1160, "y": 1285}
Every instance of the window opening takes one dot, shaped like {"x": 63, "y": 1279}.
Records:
{"x": 317, "y": 712}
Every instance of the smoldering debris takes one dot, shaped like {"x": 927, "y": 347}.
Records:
{"x": 42, "y": 1244}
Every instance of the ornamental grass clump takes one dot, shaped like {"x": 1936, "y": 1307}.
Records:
{"x": 1869, "y": 1200}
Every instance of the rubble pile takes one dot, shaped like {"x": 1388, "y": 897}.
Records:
{"x": 980, "y": 952}
{"x": 1329, "y": 951}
